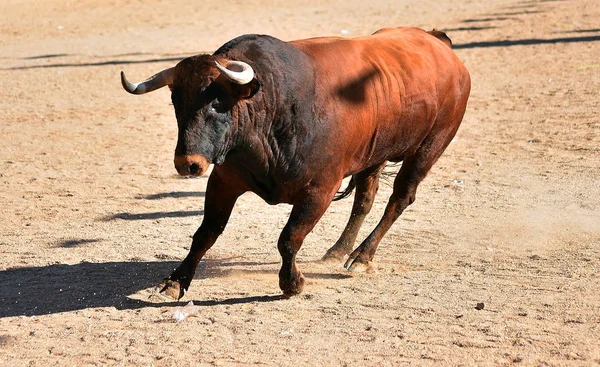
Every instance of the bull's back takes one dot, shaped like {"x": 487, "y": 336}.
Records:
{"x": 381, "y": 94}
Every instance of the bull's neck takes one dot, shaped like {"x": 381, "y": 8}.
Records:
{"x": 253, "y": 134}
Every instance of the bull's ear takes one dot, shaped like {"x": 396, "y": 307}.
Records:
{"x": 246, "y": 91}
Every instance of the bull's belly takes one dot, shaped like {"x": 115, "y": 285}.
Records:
{"x": 277, "y": 189}
{"x": 393, "y": 150}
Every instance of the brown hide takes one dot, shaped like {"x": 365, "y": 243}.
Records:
{"x": 383, "y": 93}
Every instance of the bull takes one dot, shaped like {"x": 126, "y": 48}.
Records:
{"x": 290, "y": 120}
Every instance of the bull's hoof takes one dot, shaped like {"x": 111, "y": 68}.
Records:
{"x": 360, "y": 267}
{"x": 292, "y": 288}
{"x": 357, "y": 264}
{"x": 171, "y": 288}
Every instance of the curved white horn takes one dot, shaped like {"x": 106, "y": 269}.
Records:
{"x": 156, "y": 81}
{"x": 237, "y": 71}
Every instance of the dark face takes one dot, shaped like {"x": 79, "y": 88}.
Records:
{"x": 203, "y": 101}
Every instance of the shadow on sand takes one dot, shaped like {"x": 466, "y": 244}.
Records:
{"x": 526, "y": 42}
{"x": 32, "y": 291}
{"x": 61, "y": 288}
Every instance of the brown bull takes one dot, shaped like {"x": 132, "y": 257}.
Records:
{"x": 289, "y": 120}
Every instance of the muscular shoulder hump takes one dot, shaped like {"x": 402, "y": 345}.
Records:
{"x": 441, "y": 36}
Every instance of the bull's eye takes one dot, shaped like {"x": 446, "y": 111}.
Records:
{"x": 210, "y": 111}
{"x": 216, "y": 107}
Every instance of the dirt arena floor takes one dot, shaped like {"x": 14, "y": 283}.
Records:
{"x": 93, "y": 215}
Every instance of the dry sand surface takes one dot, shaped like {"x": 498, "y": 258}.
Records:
{"x": 93, "y": 216}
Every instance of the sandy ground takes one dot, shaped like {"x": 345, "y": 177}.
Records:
{"x": 92, "y": 215}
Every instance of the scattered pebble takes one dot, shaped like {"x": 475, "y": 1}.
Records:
{"x": 458, "y": 182}
{"x": 480, "y": 306}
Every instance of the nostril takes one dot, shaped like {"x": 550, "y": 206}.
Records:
{"x": 194, "y": 168}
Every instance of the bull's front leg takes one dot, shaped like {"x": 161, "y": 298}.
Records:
{"x": 307, "y": 211}
{"x": 218, "y": 204}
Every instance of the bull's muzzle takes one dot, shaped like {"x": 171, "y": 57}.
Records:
{"x": 191, "y": 165}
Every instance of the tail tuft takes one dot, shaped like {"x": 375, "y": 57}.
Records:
{"x": 347, "y": 191}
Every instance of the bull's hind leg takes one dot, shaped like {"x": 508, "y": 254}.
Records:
{"x": 413, "y": 171}
{"x": 367, "y": 183}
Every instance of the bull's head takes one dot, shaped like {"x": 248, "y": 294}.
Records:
{"x": 205, "y": 90}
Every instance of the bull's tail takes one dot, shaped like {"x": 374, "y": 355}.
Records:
{"x": 441, "y": 36}
{"x": 347, "y": 191}
{"x": 387, "y": 177}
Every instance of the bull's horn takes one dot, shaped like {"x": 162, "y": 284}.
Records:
{"x": 156, "y": 81}
{"x": 237, "y": 71}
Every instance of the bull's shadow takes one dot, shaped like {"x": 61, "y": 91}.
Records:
{"x": 60, "y": 288}
{"x": 32, "y": 291}
{"x": 57, "y": 288}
